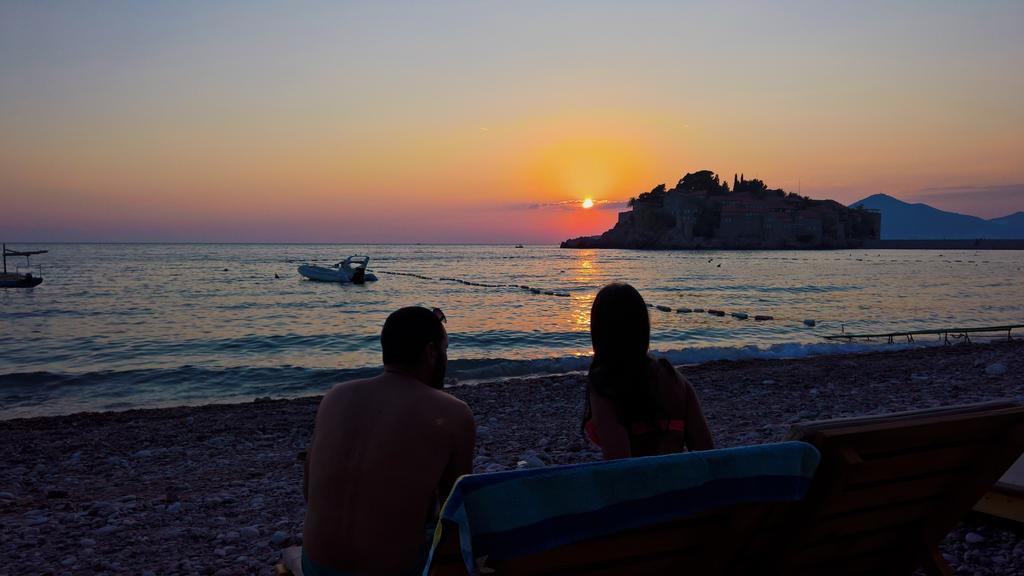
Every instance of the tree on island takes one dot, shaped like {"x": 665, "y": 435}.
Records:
{"x": 655, "y": 196}
{"x": 703, "y": 181}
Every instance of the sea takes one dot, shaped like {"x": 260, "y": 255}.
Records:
{"x": 121, "y": 326}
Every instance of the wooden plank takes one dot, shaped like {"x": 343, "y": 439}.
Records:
{"x": 916, "y": 463}
{"x": 878, "y": 439}
{"x": 882, "y": 545}
{"x": 871, "y": 519}
{"x": 880, "y": 495}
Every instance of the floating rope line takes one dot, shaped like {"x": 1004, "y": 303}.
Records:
{"x": 478, "y": 284}
{"x": 540, "y": 291}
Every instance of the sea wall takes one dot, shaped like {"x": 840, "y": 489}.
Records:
{"x": 977, "y": 244}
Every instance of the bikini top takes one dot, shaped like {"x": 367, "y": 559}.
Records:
{"x": 639, "y": 428}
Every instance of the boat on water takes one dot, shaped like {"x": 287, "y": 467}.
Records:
{"x": 20, "y": 278}
{"x": 350, "y": 270}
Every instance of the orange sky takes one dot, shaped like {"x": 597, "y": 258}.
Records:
{"x": 255, "y": 122}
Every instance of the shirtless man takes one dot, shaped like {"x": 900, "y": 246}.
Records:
{"x": 385, "y": 452}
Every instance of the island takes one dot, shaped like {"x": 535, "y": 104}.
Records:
{"x": 702, "y": 212}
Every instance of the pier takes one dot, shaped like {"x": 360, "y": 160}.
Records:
{"x": 946, "y": 333}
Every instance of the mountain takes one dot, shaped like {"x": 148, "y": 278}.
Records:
{"x": 905, "y": 221}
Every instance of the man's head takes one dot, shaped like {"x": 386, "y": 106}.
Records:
{"x": 414, "y": 341}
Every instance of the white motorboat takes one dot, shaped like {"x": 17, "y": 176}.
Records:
{"x": 351, "y": 269}
{"x": 21, "y": 277}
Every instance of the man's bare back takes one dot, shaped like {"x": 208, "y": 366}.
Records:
{"x": 383, "y": 451}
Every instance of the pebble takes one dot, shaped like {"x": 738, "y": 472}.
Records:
{"x": 996, "y": 369}
{"x": 529, "y": 460}
{"x": 242, "y": 458}
{"x": 249, "y": 532}
{"x": 973, "y": 538}
{"x": 36, "y": 520}
{"x": 279, "y": 538}
{"x": 105, "y": 530}
{"x": 174, "y": 508}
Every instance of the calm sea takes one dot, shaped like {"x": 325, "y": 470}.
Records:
{"x": 138, "y": 325}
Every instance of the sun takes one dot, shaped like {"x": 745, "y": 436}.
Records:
{"x": 588, "y": 203}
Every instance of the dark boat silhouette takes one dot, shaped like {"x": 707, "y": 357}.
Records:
{"x": 17, "y": 279}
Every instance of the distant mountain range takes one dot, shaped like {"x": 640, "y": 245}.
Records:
{"x": 904, "y": 221}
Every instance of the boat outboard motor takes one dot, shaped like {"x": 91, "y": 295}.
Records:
{"x": 359, "y": 275}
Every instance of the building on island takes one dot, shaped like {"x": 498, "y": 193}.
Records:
{"x": 702, "y": 212}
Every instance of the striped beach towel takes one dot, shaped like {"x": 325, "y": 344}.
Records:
{"x": 509, "y": 514}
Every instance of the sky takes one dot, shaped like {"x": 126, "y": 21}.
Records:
{"x": 485, "y": 121}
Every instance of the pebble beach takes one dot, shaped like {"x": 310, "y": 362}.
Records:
{"x": 217, "y": 489}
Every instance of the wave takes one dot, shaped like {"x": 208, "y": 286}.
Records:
{"x": 41, "y": 393}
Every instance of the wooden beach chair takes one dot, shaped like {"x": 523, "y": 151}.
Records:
{"x": 685, "y": 513}
{"x": 889, "y": 488}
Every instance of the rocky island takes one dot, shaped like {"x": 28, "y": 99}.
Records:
{"x": 703, "y": 212}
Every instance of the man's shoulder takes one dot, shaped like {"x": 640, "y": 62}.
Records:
{"x": 448, "y": 401}
{"x": 347, "y": 389}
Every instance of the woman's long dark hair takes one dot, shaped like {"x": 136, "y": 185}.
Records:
{"x": 620, "y": 331}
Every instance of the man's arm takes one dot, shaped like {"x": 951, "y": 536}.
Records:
{"x": 461, "y": 460}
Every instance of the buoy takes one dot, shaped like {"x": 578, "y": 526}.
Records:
{"x": 810, "y": 322}
{"x": 716, "y": 312}
{"x": 683, "y": 310}
{"x": 698, "y": 309}
{"x": 762, "y": 318}
{"x": 549, "y": 293}
{"x": 740, "y": 315}
{"x": 664, "y": 308}
{"x": 650, "y": 305}
{"x": 535, "y": 290}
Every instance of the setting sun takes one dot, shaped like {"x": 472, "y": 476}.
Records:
{"x": 588, "y": 203}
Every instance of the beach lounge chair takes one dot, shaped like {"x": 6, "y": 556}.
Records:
{"x": 683, "y": 513}
{"x": 890, "y": 487}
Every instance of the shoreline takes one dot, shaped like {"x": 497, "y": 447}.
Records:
{"x": 87, "y": 400}
{"x": 216, "y": 489}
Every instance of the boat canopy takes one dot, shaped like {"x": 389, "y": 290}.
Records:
{"x": 9, "y": 252}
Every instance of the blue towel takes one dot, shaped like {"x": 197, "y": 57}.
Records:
{"x": 508, "y": 514}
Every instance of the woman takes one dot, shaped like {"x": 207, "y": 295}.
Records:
{"x": 636, "y": 405}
